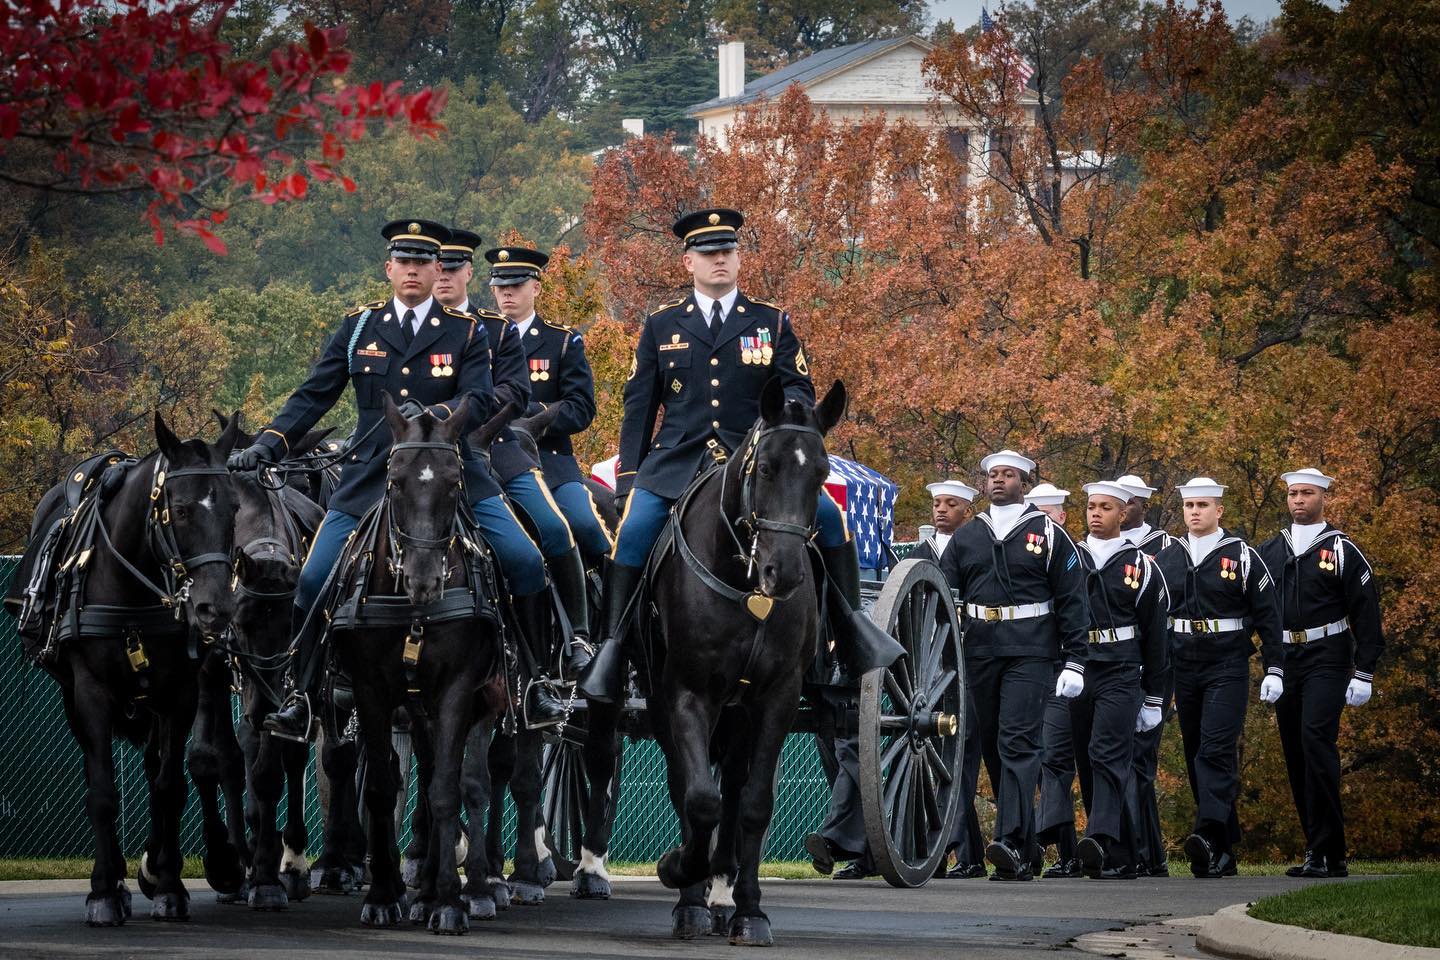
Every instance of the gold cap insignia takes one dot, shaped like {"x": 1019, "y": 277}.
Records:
{"x": 714, "y": 219}
{"x": 414, "y": 228}
{"x": 503, "y": 256}
{"x": 674, "y": 338}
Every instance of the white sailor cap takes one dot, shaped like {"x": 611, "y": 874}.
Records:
{"x": 1308, "y": 476}
{"x": 952, "y": 488}
{"x": 1109, "y": 488}
{"x": 1046, "y": 495}
{"x": 1007, "y": 458}
{"x": 1202, "y": 487}
{"x": 1136, "y": 486}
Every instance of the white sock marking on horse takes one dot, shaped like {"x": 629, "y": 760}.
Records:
{"x": 541, "y": 851}
{"x": 145, "y": 868}
{"x": 800, "y": 456}
{"x": 426, "y": 475}
{"x": 294, "y": 861}
{"x": 462, "y": 848}
{"x": 593, "y": 865}
{"x": 721, "y": 894}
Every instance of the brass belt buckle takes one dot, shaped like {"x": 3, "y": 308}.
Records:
{"x": 1094, "y": 636}
{"x": 1298, "y": 636}
{"x": 1199, "y": 626}
{"x": 992, "y": 614}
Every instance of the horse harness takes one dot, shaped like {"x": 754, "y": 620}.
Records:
{"x": 757, "y": 604}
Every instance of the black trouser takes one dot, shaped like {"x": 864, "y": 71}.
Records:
{"x": 844, "y": 824}
{"x": 1210, "y": 700}
{"x": 968, "y": 842}
{"x": 1149, "y": 840}
{"x": 1103, "y": 723}
{"x": 1055, "y": 821}
{"x": 1308, "y": 715}
{"x": 1010, "y": 697}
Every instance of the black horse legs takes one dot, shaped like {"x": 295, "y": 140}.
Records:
{"x": 534, "y": 868}
{"x": 340, "y": 867}
{"x": 294, "y": 867}
{"x": 693, "y": 790}
{"x": 108, "y": 904}
{"x": 591, "y": 880}
{"x": 217, "y": 768}
{"x": 446, "y": 730}
{"x": 480, "y": 874}
{"x": 161, "y": 864}
{"x": 382, "y": 907}
{"x": 771, "y": 718}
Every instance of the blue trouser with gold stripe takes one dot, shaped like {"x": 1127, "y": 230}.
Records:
{"x": 578, "y": 507}
{"x": 646, "y": 513}
{"x": 528, "y": 490}
{"x": 516, "y": 553}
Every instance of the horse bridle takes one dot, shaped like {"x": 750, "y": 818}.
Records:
{"x": 398, "y": 539}
{"x": 749, "y": 519}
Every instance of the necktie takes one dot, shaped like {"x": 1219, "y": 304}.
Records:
{"x": 716, "y": 319}
{"x": 409, "y": 325}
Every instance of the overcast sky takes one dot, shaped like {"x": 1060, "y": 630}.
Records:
{"x": 967, "y": 12}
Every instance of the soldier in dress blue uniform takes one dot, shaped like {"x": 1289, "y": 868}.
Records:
{"x": 704, "y": 359}
{"x": 1221, "y": 594}
{"x": 1150, "y": 856}
{"x": 429, "y": 358}
{"x": 516, "y": 470}
{"x": 1333, "y": 640}
{"x": 559, "y": 375}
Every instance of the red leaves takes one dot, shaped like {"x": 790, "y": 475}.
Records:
{"x": 154, "y": 84}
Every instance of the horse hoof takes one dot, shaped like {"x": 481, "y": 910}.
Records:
{"x": 268, "y": 896}
{"x": 545, "y": 873}
{"x": 501, "y": 892}
{"x": 170, "y": 907}
{"x": 224, "y": 871}
{"x": 419, "y": 911}
{"x": 334, "y": 881}
{"x": 589, "y": 886}
{"x": 481, "y": 908}
{"x": 380, "y": 915}
{"x": 751, "y": 932}
{"x": 527, "y": 894}
{"x": 241, "y": 896}
{"x": 450, "y": 921}
{"x": 123, "y": 892}
{"x": 720, "y": 918}
{"x": 689, "y": 922}
{"x": 410, "y": 872}
{"x": 106, "y": 910}
{"x": 296, "y": 884}
{"x": 669, "y": 872}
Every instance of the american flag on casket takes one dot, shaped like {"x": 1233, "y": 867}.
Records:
{"x": 867, "y": 497}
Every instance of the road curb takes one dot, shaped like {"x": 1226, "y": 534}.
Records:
{"x": 1232, "y": 932}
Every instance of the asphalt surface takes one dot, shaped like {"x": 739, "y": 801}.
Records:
{"x": 811, "y": 918}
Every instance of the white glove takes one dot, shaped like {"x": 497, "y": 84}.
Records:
{"x": 1069, "y": 684}
{"x": 1148, "y": 720}
{"x": 1358, "y": 693}
{"x": 1271, "y": 688}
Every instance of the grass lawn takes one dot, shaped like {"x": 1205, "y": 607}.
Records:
{"x": 1395, "y": 909}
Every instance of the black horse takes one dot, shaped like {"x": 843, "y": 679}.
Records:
{"x": 421, "y": 555}
{"x": 735, "y": 622}
{"x": 142, "y": 575}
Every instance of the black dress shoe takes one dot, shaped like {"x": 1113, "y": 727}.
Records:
{"x": 1315, "y": 868}
{"x": 1336, "y": 867}
{"x": 824, "y": 853}
{"x": 852, "y": 871}
{"x": 1009, "y": 865}
{"x": 292, "y": 721}
{"x": 1159, "y": 870}
{"x": 1063, "y": 870}
{"x": 1299, "y": 869}
{"x": 967, "y": 871}
{"x": 1091, "y": 853}
{"x": 1197, "y": 848}
{"x": 1123, "y": 872}
{"x": 1224, "y": 864}
{"x": 541, "y": 707}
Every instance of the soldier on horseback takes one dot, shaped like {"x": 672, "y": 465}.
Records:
{"x": 429, "y": 357}
{"x": 704, "y": 358}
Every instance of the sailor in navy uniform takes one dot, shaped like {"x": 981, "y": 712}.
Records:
{"x": 428, "y": 358}
{"x": 1333, "y": 640}
{"x": 1129, "y": 638}
{"x": 517, "y": 471}
{"x": 1151, "y": 858}
{"x": 559, "y": 375}
{"x": 704, "y": 359}
{"x": 1024, "y": 613}
{"x": 1221, "y": 594}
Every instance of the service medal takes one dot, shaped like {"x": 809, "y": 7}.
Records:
{"x": 746, "y": 356}
{"x": 437, "y": 371}
{"x": 767, "y": 352}
{"x": 448, "y": 371}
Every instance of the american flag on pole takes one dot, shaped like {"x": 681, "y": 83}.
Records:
{"x": 1016, "y": 63}
{"x": 868, "y": 499}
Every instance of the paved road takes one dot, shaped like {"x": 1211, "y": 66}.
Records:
{"x": 812, "y": 919}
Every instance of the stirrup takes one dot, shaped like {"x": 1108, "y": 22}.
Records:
{"x": 299, "y": 696}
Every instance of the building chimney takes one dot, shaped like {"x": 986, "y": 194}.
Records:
{"x": 633, "y": 126}
{"x": 732, "y": 69}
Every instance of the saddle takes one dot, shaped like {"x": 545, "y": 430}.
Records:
{"x": 83, "y": 477}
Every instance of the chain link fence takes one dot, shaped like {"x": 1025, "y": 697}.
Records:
{"x": 42, "y": 783}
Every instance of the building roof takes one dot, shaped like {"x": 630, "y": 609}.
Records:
{"x": 808, "y": 71}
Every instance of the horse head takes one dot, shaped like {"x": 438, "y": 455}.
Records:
{"x": 424, "y": 484}
{"x": 783, "y": 467}
{"x": 194, "y": 509}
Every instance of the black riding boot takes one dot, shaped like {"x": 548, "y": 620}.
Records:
{"x": 604, "y": 680}
{"x": 295, "y": 718}
{"x": 569, "y": 574}
{"x": 541, "y": 707}
{"x": 869, "y": 645}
